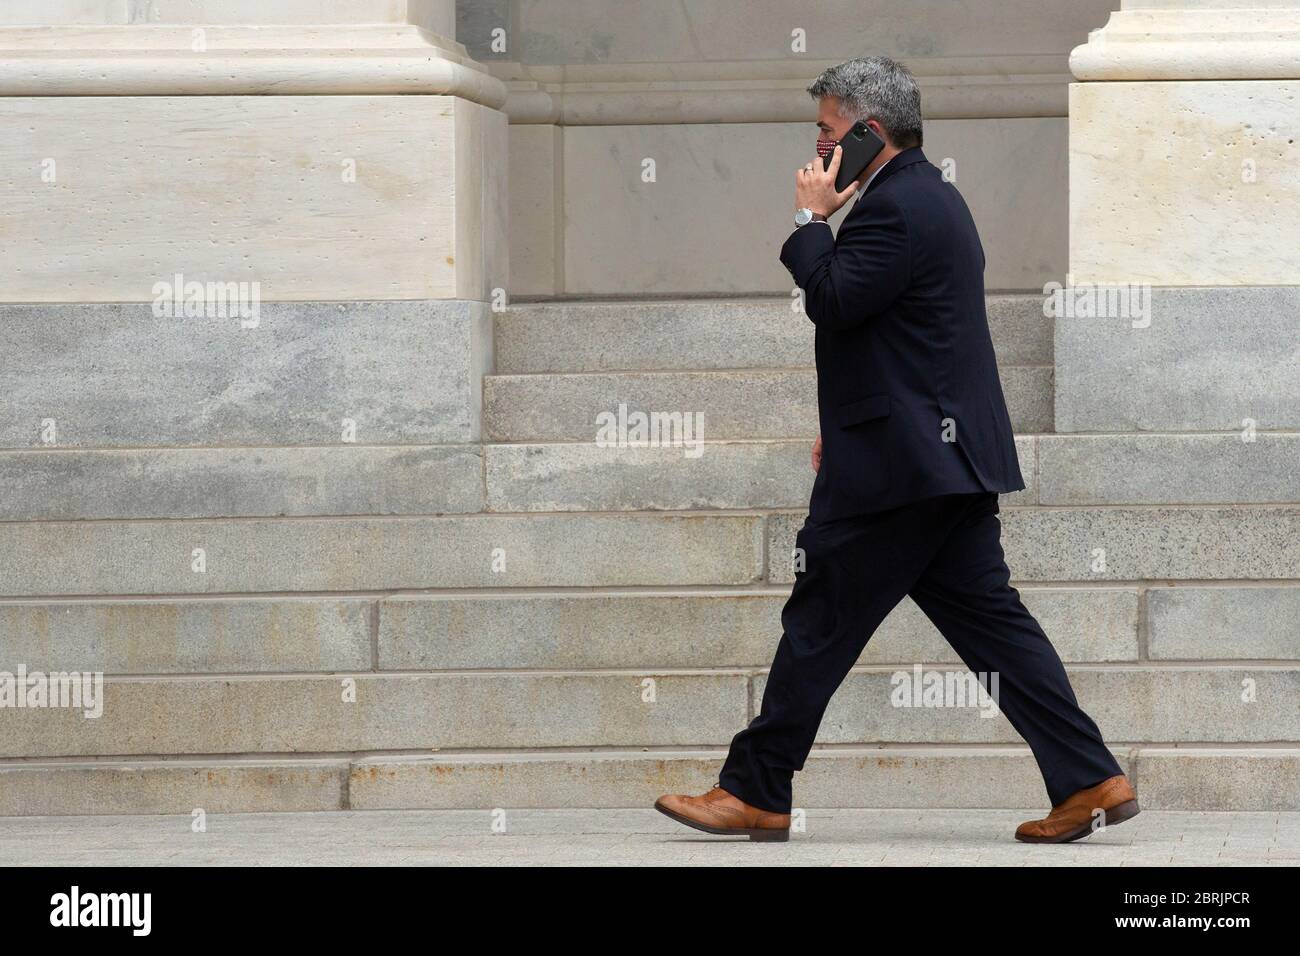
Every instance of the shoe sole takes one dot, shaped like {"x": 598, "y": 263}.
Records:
{"x": 1115, "y": 815}
{"x": 756, "y": 835}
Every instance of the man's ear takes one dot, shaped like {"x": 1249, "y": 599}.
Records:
{"x": 875, "y": 127}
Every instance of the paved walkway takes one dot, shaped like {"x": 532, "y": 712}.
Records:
{"x": 638, "y": 837}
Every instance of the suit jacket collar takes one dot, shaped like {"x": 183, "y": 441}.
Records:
{"x": 908, "y": 157}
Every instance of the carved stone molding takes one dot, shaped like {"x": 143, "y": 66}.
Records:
{"x": 1190, "y": 40}
{"x": 766, "y": 91}
{"x": 281, "y": 60}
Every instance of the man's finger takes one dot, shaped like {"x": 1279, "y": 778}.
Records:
{"x": 834, "y": 167}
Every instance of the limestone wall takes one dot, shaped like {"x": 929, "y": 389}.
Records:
{"x": 292, "y": 144}
{"x": 713, "y": 95}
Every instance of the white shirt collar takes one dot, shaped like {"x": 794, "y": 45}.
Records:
{"x": 867, "y": 184}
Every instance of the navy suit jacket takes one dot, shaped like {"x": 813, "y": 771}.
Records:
{"x": 908, "y": 393}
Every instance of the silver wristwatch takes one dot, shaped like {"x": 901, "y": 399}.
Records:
{"x": 804, "y": 216}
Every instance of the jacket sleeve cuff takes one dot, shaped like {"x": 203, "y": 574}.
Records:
{"x": 805, "y": 246}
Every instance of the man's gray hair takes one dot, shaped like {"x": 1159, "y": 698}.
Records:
{"x": 878, "y": 88}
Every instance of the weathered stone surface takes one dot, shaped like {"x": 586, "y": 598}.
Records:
{"x": 1214, "y": 210}
{"x": 172, "y": 786}
{"x": 213, "y": 12}
{"x": 873, "y": 840}
{"x": 239, "y": 482}
{"x": 1219, "y": 779}
{"x": 696, "y": 629}
{"x": 1209, "y": 779}
{"x": 404, "y": 372}
{"x": 1022, "y": 333}
{"x": 1168, "y": 704}
{"x": 1224, "y": 623}
{"x": 248, "y": 715}
{"x": 1067, "y": 544}
{"x": 749, "y": 403}
{"x": 562, "y": 33}
{"x": 693, "y": 236}
{"x": 703, "y": 629}
{"x": 583, "y": 476}
{"x": 1028, "y": 393}
{"x": 587, "y": 336}
{"x": 620, "y": 779}
{"x": 682, "y": 334}
{"x": 475, "y": 23}
{"x": 1083, "y": 624}
{"x": 219, "y": 635}
{"x": 1169, "y": 469}
{"x": 536, "y": 207}
{"x": 315, "y": 197}
{"x": 1211, "y": 360}
{"x": 1167, "y": 542}
{"x": 851, "y": 777}
{"x": 734, "y": 404}
{"x": 357, "y": 554}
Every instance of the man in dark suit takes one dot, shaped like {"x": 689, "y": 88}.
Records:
{"x": 915, "y": 447}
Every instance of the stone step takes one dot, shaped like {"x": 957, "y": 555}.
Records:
{"x": 1197, "y": 468}
{"x": 971, "y": 777}
{"x": 465, "y": 631}
{"x": 360, "y": 711}
{"x": 1252, "y": 622}
{"x": 766, "y": 332}
{"x": 739, "y": 628}
{"x": 68, "y": 484}
{"x": 750, "y": 403}
{"x": 323, "y": 714}
{"x": 71, "y": 484}
{"x": 297, "y": 378}
{"x": 713, "y": 629}
{"x": 189, "y": 635}
{"x": 1185, "y": 543}
{"x": 216, "y": 785}
{"x": 1058, "y": 470}
{"x": 258, "y": 555}
{"x": 600, "y": 550}
{"x": 1179, "y": 370}
{"x": 582, "y": 476}
{"x": 601, "y": 629}
{"x": 1138, "y": 704}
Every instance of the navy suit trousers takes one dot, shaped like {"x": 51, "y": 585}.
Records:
{"x": 945, "y": 553}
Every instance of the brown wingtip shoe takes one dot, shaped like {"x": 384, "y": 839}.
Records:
{"x": 719, "y": 812}
{"x": 1073, "y": 818}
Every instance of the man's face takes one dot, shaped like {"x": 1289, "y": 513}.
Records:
{"x": 829, "y": 121}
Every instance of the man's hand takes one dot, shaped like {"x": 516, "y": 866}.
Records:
{"x": 814, "y": 187}
{"x": 817, "y": 454}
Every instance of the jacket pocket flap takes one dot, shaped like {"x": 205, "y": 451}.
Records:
{"x": 864, "y": 410}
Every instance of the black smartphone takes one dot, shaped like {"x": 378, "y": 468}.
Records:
{"x": 861, "y": 145}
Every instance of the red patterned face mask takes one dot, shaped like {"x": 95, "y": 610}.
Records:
{"x": 825, "y": 147}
